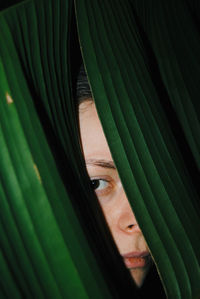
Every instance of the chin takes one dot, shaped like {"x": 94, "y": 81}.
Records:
{"x": 139, "y": 275}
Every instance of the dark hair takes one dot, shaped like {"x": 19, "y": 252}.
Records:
{"x": 83, "y": 91}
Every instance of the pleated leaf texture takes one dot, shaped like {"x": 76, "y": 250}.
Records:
{"x": 142, "y": 61}
{"x": 44, "y": 250}
{"x": 150, "y": 135}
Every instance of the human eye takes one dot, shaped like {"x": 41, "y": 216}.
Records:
{"x": 101, "y": 186}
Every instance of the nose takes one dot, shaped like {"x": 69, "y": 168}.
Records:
{"x": 127, "y": 221}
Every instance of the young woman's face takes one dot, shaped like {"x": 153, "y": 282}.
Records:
{"x": 107, "y": 185}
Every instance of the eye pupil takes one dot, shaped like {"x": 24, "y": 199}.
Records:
{"x": 95, "y": 184}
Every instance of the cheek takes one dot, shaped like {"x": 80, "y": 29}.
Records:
{"x": 112, "y": 211}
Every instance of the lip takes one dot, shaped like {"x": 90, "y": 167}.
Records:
{"x": 136, "y": 259}
{"x": 136, "y": 254}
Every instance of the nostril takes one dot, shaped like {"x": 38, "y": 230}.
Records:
{"x": 131, "y": 226}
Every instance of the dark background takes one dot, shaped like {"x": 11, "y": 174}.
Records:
{"x": 6, "y": 3}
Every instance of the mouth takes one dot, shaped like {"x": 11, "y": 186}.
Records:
{"x": 136, "y": 259}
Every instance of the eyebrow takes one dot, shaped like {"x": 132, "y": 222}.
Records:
{"x": 101, "y": 163}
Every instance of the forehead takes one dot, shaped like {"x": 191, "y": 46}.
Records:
{"x": 92, "y": 136}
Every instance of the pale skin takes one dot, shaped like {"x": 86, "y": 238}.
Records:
{"x": 110, "y": 193}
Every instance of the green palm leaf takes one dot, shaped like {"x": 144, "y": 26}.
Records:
{"x": 54, "y": 241}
